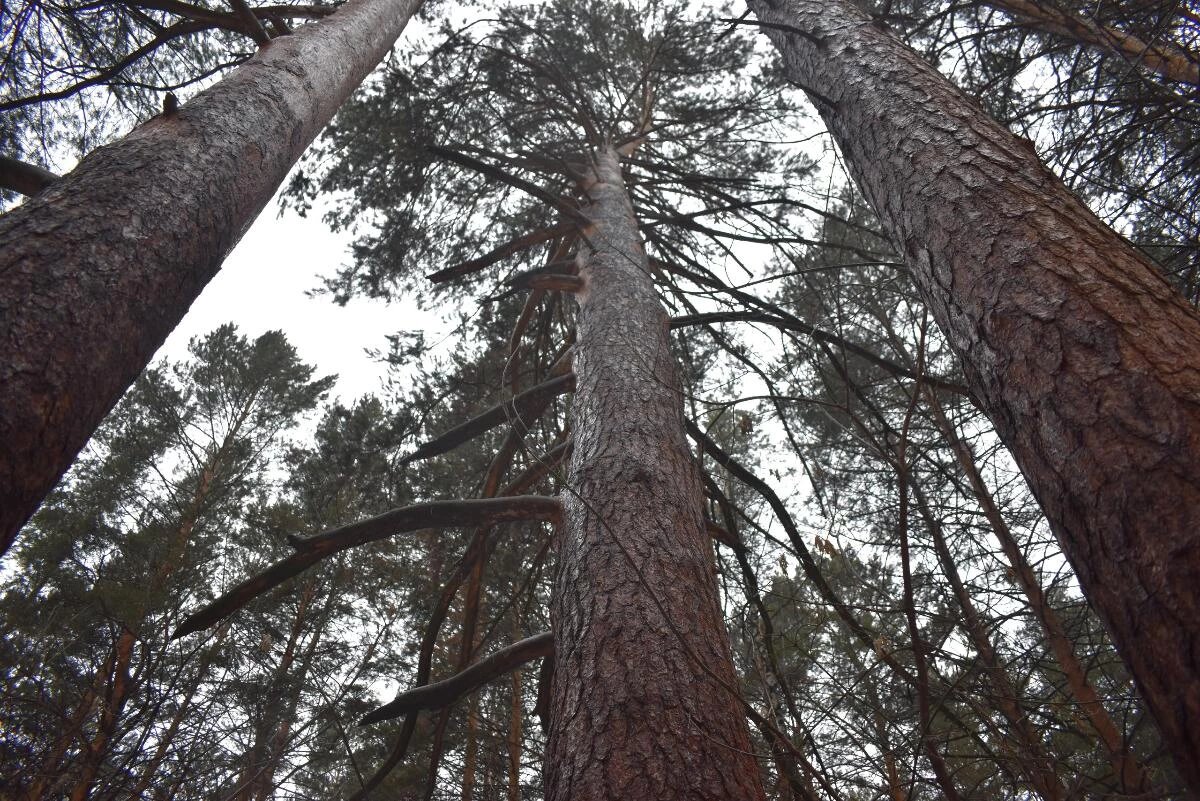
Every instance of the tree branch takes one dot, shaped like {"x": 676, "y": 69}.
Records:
{"x": 254, "y": 26}
{"x": 488, "y": 669}
{"x": 523, "y": 409}
{"x": 795, "y": 324}
{"x": 1167, "y": 59}
{"x": 811, "y": 570}
{"x": 512, "y": 247}
{"x": 463, "y": 160}
{"x": 20, "y": 176}
{"x": 434, "y": 514}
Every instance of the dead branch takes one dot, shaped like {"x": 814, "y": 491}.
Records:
{"x": 27, "y": 179}
{"x": 539, "y": 469}
{"x": 522, "y": 409}
{"x": 510, "y": 248}
{"x": 722, "y": 535}
{"x": 540, "y": 280}
{"x": 434, "y": 514}
{"x": 488, "y": 669}
{"x": 254, "y": 26}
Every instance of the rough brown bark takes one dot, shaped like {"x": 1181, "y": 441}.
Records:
{"x": 1086, "y": 360}
{"x": 644, "y": 700}
{"x": 98, "y": 268}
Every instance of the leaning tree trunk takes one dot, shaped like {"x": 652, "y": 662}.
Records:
{"x": 644, "y": 701}
{"x": 98, "y": 268}
{"x": 1086, "y": 360}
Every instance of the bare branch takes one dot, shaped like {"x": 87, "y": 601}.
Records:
{"x": 723, "y": 535}
{"x": 434, "y": 514}
{"x": 488, "y": 669}
{"x": 540, "y": 280}
{"x": 19, "y": 176}
{"x": 523, "y": 409}
{"x": 254, "y": 26}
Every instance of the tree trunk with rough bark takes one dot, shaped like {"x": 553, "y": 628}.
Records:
{"x": 644, "y": 699}
{"x": 98, "y": 269}
{"x": 1085, "y": 358}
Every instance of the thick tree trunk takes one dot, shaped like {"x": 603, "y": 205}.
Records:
{"x": 98, "y": 268}
{"x": 644, "y": 701}
{"x": 1086, "y": 360}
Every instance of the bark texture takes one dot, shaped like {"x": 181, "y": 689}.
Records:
{"x": 644, "y": 701}
{"x": 1086, "y": 360}
{"x": 98, "y": 268}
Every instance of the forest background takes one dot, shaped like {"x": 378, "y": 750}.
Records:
{"x": 903, "y": 623}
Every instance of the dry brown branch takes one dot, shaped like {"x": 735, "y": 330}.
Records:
{"x": 722, "y": 535}
{"x": 434, "y": 514}
{"x": 539, "y": 280}
{"x": 522, "y": 409}
{"x": 27, "y": 179}
{"x": 254, "y": 26}
{"x": 488, "y": 669}
{"x": 512, "y": 247}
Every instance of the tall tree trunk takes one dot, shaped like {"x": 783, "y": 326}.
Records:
{"x": 115, "y": 676}
{"x": 644, "y": 700}
{"x": 515, "y": 722}
{"x": 1086, "y": 360}
{"x": 97, "y": 269}
{"x": 96, "y": 749}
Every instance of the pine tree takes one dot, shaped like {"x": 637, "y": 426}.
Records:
{"x": 634, "y": 607}
{"x": 137, "y": 230}
{"x": 902, "y": 625}
{"x": 118, "y": 550}
{"x": 1071, "y": 339}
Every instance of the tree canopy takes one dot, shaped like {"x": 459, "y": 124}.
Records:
{"x": 244, "y": 589}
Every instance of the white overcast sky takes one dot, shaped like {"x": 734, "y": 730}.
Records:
{"x": 264, "y": 285}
